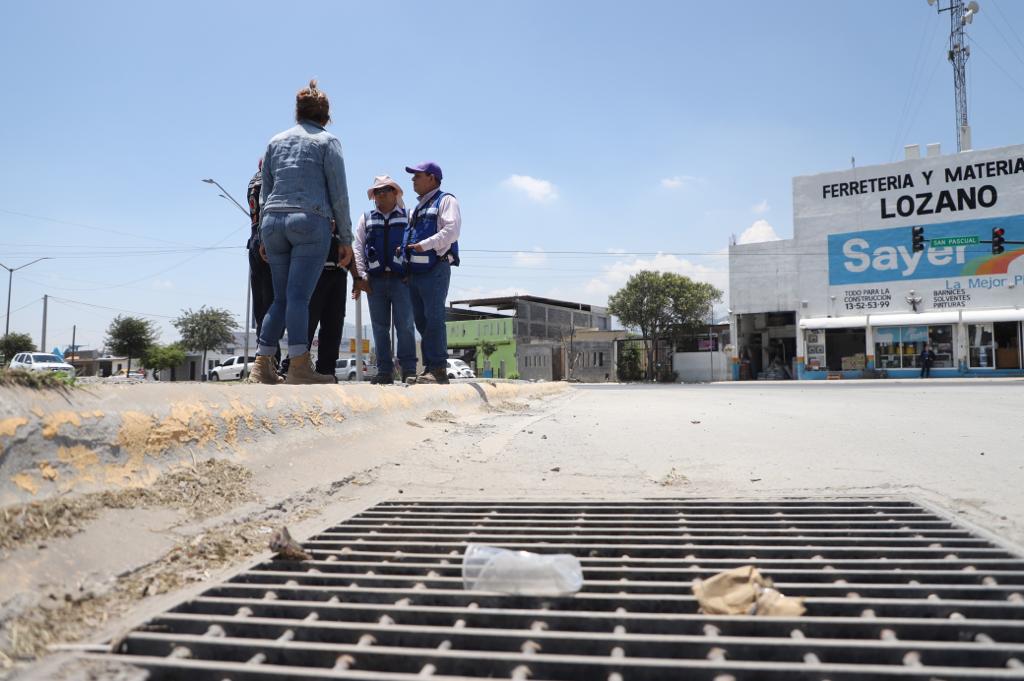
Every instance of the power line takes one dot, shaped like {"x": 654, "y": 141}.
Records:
{"x": 927, "y": 38}
{"x": 112, "y": 309}
{"x": 32, "y": 302}
{"x": 620, "y": 254}
{"x": 997, "y": 64}
{"x": 80, "y": 255}
{"x": 92, "y": 227}
{"x": 1009, "y": 25}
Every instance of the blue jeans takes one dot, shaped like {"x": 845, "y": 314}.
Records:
{"x": 391, "y": 297}
{"x": 296, "y": 245}
{"x": 429, "y": 292}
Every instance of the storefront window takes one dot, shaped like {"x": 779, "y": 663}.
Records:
{"x": 940, "y": 338}
{"x": 914, "y": 340}
{"x": 815, "y": 351}
{"x": 887, "y": 348}
{"x": 899, "y": 347}
{"x": 980, "y": 339}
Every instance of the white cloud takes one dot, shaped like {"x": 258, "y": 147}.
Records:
{"x": 163, "y": 284}
{"x": 535, "y": 258}
{"x": 758, "y": 232}
{"x": 535, "y": 189}
{"x": 761, "y": 208}
{"x": 614, "y": 276}
{"x": 679, "y": 182}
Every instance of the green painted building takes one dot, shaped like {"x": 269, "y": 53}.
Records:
{"x": 467, "y": 336}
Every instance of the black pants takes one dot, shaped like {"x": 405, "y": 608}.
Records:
{"x": 926, "y": 370}
{"x": 327, "y": 309}
{"x": 262, "y": 292}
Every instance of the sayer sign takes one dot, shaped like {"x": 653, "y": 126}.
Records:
{"x": 887, "y": 254}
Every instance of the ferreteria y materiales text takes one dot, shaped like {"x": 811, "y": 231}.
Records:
{"x": 931, "y": 202}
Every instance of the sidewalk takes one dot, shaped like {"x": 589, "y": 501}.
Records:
{"x": 117, "y": 436}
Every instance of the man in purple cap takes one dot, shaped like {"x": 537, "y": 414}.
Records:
{"x": 432, "y": 248}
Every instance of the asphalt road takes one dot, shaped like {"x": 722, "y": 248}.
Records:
{"x": 959, "y": 444}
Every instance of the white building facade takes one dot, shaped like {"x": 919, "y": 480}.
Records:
{"x": 849, "y": 296}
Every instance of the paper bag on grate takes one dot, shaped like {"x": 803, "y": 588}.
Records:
{"x": 744, "y": 591}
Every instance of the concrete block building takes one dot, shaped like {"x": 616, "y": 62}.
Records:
{"x": 536, "y": 338}
{"x": 885, "y": 260}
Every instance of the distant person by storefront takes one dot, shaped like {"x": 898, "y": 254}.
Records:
{"x": 927, "y": 359}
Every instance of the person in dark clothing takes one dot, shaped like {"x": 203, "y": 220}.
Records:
{"x": 327, "y": 310}
{"x": 927, "y": 359}
{"x": 259, "y": 270}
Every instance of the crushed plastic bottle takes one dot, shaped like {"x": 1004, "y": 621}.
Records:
{"x": 488, "y": 568}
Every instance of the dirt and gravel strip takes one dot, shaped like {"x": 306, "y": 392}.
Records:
{"x": 202, "y": 489}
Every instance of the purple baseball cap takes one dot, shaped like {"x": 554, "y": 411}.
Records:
{"x": 426, "y": 167}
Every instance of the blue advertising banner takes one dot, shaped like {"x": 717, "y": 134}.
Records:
{"x": 886, "y": 255}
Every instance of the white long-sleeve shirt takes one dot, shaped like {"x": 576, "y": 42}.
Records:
{"x": 449, "y": 223}
{"x": 359, "y": 239}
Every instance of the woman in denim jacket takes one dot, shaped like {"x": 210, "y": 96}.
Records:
{"x": 303, "y": 190}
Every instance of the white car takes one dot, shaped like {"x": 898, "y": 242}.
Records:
{"x": 345, "y": 369}
{"x": 231, "y": 369}
{"x": 459, "y": 369}
{"x": 41, "y": 361}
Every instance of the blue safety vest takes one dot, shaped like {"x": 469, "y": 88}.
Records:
{"x": 385, "y": 238}
{"x": 423, "y": 225}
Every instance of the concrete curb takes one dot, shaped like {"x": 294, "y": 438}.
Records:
{"x": 114, "y": 436}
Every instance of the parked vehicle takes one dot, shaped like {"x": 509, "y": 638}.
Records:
{"x": 41, "y": 361}
{"x": 134, "y": 374}
{"x": 232, "y": 369}
{"x": 459, "y": 369}
{"x": 345, "y": 369}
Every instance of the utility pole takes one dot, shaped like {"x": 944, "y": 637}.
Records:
{"x": 10, "y": 280}
{"x": 960, "y": 14}
{"x": 711, "y": 349}
{"x": 42, "y": 342}
{"x": 359, "y": 340}
{"x": 248, "y": 282}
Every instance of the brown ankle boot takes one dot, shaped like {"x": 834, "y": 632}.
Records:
{"x": 300, "y": 372}
{"x": 263, "y": 371}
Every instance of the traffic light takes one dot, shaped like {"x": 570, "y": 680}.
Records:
{"x": 918, "y": 238}
{"x": 998, "y": 239}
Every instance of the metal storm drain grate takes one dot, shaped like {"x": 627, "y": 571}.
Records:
{"x": 893, "y": 591}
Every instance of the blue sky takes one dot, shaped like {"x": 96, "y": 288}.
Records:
{"x": 561, "y": 126}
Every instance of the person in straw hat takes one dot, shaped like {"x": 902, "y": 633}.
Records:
{"x": 382, "y": 274}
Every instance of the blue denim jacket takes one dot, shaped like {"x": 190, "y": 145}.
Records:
{"x": 303, "y": 170}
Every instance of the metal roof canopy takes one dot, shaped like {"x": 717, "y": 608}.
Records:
{"x": 509, "y": 303}
{"x": 914, "y": 318}
{"x": 894, "y": 590}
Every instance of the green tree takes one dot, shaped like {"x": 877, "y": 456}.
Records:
{"x": 661, "y": 305}
{"x": 13, "y": 343}
{"x": 131, "y": 336}
{"x": 629, "y": 365}
{"x": 164, "y": 356}
{"x": 487, "y": 348}
{"x": 205, "y": 329}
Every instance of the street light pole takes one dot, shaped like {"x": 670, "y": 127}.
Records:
{"x": 10, "y": 281}
{"x": 248, "y": 281}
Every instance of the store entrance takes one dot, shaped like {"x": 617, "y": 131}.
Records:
{"x": 1007, "y": 340}
{"x": 844, "y": 349}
